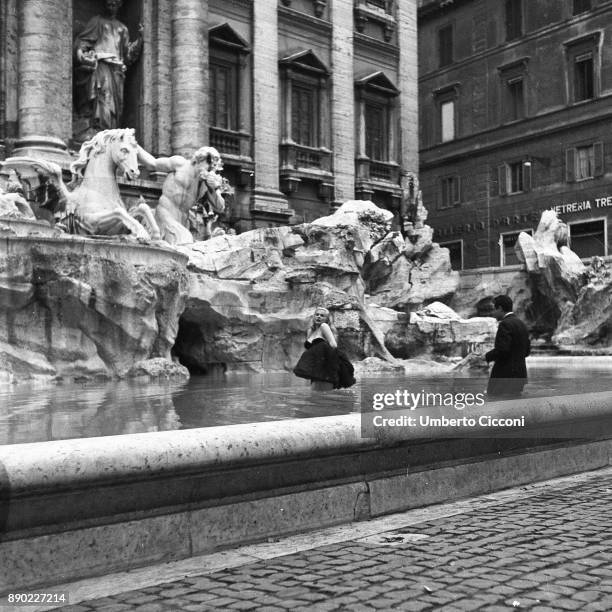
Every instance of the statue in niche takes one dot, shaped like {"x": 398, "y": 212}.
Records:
{"x": 193, "y": 187}
{"x": 102, "y": 52}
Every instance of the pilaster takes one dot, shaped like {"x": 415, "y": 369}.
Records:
{"x": 189, "y": 75}
{"x": 342, "y": 103}
{"x": 267, "y": 201}
{"x": 408, "y": 85}
{"x": 45, "y": 79}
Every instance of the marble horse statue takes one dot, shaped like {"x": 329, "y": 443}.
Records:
{"x": 94, "y": 204}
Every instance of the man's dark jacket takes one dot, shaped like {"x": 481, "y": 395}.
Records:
{"x": 511, "y": 347}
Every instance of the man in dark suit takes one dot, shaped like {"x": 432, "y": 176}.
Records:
{"x": 509, "y": 373}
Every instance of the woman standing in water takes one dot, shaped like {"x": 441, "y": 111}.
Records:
{"x": 321, "y": 363}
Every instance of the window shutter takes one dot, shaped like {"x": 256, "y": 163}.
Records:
{"x": 598, "y": 150}
{"x": 570, "y": 165}
{"x": 526, "y": 178}
{"x": 502, "y": 179}
{"x": 457, "y": 199}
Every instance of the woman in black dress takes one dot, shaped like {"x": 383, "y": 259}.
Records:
{"x": 322, "y": 363}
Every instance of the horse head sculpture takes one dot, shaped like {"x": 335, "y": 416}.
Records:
{"x": 118, "y": 146}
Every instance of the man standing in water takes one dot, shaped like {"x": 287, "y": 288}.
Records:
{"x": 509, "y": 373}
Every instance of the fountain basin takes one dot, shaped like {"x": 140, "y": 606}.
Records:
{"x": 18, "y": 226}
{"x": 80, "y": 508}
{"x": 78, "y": 308}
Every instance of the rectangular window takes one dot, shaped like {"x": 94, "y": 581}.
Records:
{"x": 376, "y": 131}
{"x": 515, "y": 99}
{"x": 447, "y": 120}
{"x": 588, "y": 239}
{"x": 583, "y": 77}
{"x": 515, "y": 177}
{"x": 514, "y": 19}
{"x": 507, "y": 243}
{"x": 303, "y": 116}
{"x": 223, "y": 88}
{"x": 585, "y": 162}
{"x": 455, "y": 249}
{"x": 449, "y": 191}
{"x": 581, "y": 6}
{"x": 445, "y": 45}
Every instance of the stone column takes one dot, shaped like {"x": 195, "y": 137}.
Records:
{"x": 189, "y": 75}
{"x": 45, "y": 79}
{"x": 408, "y": 84}
{"x": 267, "y": 202}
{"x": 343, "y": 96}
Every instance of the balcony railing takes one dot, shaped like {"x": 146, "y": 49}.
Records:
{"x": 228, "y": 142}
{"x": 299, "y": 157}
{"x": 379, "y": 171}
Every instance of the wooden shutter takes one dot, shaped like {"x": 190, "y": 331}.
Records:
{"x": 502, "y": 179}
{"x": 598, "y": 154}
{"x": 570, "y": 165}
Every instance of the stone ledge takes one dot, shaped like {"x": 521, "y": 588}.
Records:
{"x": 80, "y": 508}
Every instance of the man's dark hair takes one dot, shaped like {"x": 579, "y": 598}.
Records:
{"x": 504, "y": 302}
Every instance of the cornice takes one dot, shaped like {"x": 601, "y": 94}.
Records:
{"x": 362, "y": 41}
{"x": 288, "y": 17}
{"x": 532, "y": 128}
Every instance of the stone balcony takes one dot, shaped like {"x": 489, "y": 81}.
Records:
{"x": 299, "y": 162}
{"x": 235, "y": 150}
{"x": 372, "y": 175}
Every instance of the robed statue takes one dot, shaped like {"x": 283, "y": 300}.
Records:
{"x": 103, "y": 52}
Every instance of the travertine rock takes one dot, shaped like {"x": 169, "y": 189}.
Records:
{"x": 589, "y": 321}
{"x": 252, "y": 296}
{"x": 80, "y": 308}
{"x": 439, "y": 331}
{"x": 558, "y": 272}
{"x": 420, "y": 274}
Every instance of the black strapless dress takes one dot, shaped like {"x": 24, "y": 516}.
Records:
{"x": 322, "y": 362}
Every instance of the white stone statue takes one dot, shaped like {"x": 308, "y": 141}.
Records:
{"x": 189, "y": 182}
{"x": 12, "y": 200}
{"x": 102, "y": 52}
{"x": 94, "y": 205}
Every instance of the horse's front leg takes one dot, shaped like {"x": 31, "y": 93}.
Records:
{"x": 143, "y": 211}
{"x": 107, "y": 223}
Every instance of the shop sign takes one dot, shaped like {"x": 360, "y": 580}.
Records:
{"x": 575, "y": 207}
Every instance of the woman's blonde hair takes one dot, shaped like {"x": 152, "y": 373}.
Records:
{"x": 328, "y": 321}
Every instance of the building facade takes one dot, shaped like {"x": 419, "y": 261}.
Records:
{"x": 515, "y": 118}
{"x": 310, "y": 102}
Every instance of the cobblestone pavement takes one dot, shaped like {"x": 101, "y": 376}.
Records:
{"x": 548, "y": 551}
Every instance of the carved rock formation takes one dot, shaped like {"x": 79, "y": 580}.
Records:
{"x": 438, "y": 330}
{"x": 589, "y": 321}
{"x": 406, "y": 274}
{"x": 557, "y": 273}
{"x": 76, "y": 308}
{"x": 252, "y": 296}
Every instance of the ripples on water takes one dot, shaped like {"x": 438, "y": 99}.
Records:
{"x": 33, "y": 414}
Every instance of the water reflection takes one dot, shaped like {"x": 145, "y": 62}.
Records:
{"x": 32, "y": 414}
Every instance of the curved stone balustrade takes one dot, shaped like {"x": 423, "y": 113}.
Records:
{"x": 83, "y": 507}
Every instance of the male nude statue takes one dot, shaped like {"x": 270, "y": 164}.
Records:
{"x": 187, "y": 182}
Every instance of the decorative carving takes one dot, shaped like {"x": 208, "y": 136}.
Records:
{"x": 319, "y": 7}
